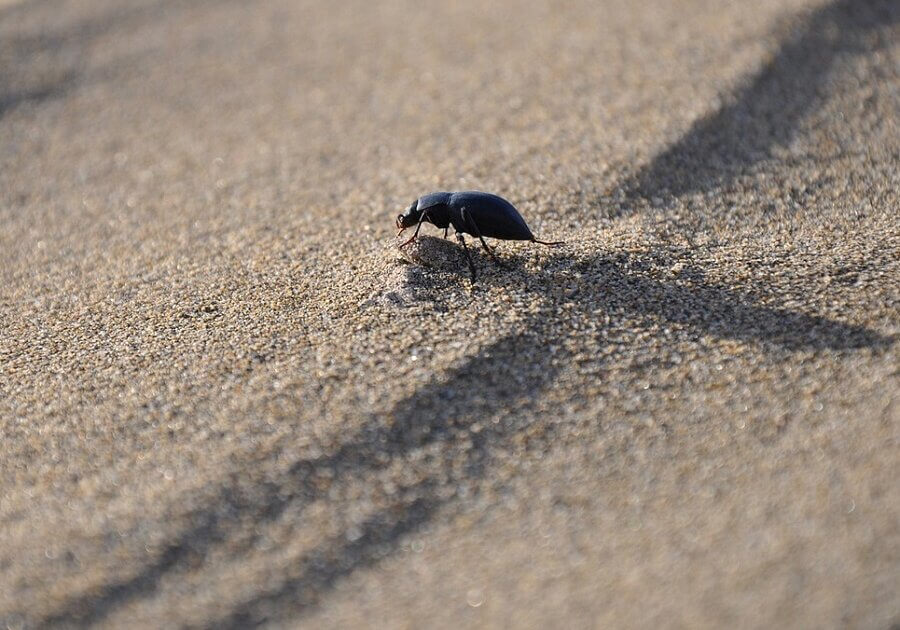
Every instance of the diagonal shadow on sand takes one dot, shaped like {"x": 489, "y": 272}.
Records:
{"x": 767, "y": 111}
{"x": 489, "y": 390}
{"x": 26, "y": 76}
{"x": 497, "y": 381}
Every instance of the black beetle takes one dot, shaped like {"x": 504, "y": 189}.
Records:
{"x": 471, "y": 212}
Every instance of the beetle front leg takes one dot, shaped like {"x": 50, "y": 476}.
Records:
{"x": 462, "y": 241}
{"x": 416, "y": 233}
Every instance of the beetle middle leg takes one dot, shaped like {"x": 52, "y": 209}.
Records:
{"x": 467, "y": 217}
{"x": 462, "y": 242}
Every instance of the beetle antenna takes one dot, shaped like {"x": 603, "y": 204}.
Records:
{"x": 551, "y": 243}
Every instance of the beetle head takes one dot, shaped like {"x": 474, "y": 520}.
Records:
{"x": 408, "y": 218}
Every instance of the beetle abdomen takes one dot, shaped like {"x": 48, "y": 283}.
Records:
{"x": 494, "y": 216}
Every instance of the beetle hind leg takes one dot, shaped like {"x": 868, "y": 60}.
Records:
{"x": 550, "y": 243}
{"x": 490, "y": 252}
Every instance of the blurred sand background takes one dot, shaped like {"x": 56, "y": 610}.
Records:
{"x": 226, "y": 399}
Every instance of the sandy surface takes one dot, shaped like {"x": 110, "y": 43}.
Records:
{"x": 226, "y": 399}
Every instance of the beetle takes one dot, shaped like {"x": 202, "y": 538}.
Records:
{"x": 472, "y": 212}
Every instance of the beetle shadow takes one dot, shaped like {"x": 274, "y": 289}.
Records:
{"x": 767, "y": 111}
{"x": 435, "y": 267}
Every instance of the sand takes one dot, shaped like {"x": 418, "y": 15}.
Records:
{"x": 226, "y": 399}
